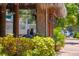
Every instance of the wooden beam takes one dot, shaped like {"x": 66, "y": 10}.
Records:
{"x": 2, "y": 20}
{"x": 16, "y": 20}
{"x": 23, "y": 5}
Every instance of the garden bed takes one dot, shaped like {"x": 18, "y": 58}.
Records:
{"x": 36, "y": 46}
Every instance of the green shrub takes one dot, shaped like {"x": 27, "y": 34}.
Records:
{"x": 58, "y": 36}
{"x": 37, "y": 46}
{"x": 1, "y": 48}
{"x": 76, "y": 34}
{"x": 16, "y": 46}
{"x": 43, "y": 46}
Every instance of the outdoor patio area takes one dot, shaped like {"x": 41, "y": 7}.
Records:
{"x": 39, "y": 29}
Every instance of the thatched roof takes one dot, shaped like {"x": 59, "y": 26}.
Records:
{"x": 60, "y": 9}
{"x": 55, "y": 9}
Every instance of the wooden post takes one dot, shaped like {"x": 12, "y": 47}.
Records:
{"x": 16, "y": 20}
{"x": 50, "y": 27}
{"x": 46, "y": 22}
{"x": 2, "y": 20}
{"x": 51, "y": 15}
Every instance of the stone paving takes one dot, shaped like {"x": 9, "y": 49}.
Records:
{"x": 71, "y": 48}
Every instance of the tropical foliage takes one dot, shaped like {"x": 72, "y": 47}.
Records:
{"x": 72, "y": 18}
{"x": 27, "y": 14}
{"x": 59, "y": 38}
{"x": 37, "y": 46}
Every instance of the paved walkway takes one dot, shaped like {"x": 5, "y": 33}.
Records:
{"x": 71, "y": 48}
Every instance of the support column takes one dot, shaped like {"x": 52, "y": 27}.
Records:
{"x": 2, "y": 20}
{"x": 50, "y": 27}
{"x": 41, "y": 21}
{"x": 16, "y": 20}
{"x": 50, "y": 22}
{"x": 46, "y": 22}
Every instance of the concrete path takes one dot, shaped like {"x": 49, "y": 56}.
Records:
{"x": 71, "y": 48}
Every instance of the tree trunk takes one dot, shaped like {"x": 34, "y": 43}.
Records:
{"x": 2, "y": 20}
{"x": 16, "y": 20}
